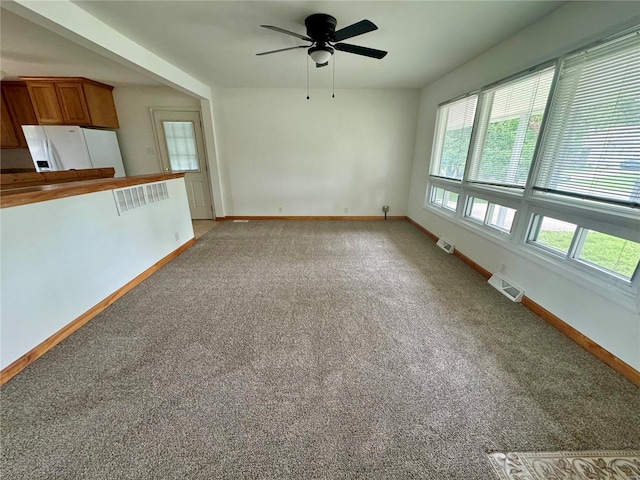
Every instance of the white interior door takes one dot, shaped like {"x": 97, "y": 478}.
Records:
{"x": 181, "y": 149}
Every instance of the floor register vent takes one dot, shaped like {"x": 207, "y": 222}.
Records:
{"x": 133, "y": 198}
{"x": 445, "y": 245}
{"x": 506, "y": 287}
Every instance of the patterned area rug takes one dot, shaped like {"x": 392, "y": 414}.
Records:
{"x": 566, "y": 465}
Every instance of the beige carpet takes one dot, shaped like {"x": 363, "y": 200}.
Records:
{"x": 328, "y": 350}
{"x": 567, "y": 465}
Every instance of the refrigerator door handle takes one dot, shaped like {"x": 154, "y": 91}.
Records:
{"x": 51, "y": 154}
{"x": 45, "y": 149}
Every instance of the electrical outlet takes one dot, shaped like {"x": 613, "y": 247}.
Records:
{"x": 346, "y": 209}
{"x": 151, "y": 151}
{"x": 385, "y": 208}
{"x": 279, "y": 209}
{"x": 177, "y": 237}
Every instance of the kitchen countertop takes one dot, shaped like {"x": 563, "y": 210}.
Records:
{"x": 22, "y": 196}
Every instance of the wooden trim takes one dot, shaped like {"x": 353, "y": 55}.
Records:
{"x": 423, "y": 230}
{"x": 585, "y": 342}
{"x": 21, "y": 363}
{"x": 30, "y": 179}
{"x": 478, "y": 268}
{"x": 319, "y": 217}
{"x": 41, "y": 193}
{"x": 66, "y": 79}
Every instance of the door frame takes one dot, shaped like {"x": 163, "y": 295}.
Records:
{"x": 204, "y": 141}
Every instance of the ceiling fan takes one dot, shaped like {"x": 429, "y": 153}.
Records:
{"x": 321, "y": 32}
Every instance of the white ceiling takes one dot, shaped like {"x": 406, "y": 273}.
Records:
{"x": 216, "y": 41}
{"x": 27, "y": 49}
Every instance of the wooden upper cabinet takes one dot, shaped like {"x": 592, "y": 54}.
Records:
{"x": 72, "y": 101}
{"x": 8, "y": 138}
{"x": 45, "y": 103}
{"x": 101, "y": 106}
{"x": 19, "y": 111}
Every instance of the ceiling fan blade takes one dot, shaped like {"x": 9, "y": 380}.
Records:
{"x": 282, "y": 30}
{"x": 283, "y": 50}
{"x": 363, "y": 26}
{"x": 367, "y": 52}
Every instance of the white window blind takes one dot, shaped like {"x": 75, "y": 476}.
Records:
{"x": 591, "y": 148}
{"x": 509, "y": 123}
{"x": 181, "y": 146}
{"x": 453, "y": 133}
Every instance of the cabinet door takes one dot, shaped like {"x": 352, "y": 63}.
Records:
{"x": 20, "y": 109}
{"x": 72, "y": 103}
{"x": 8, "y": 139}
{"x": 101, "y": 106}
{"x": 45, "y": 103}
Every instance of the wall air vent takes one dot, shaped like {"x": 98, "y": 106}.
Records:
{"x": 133, "y": 198}
{"x": 445, "y": 245}
{"x": 506, "y": 287}
{"x": 156, "y": 192}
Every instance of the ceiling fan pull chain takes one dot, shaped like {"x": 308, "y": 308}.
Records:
{"x": 333, "y": 94}
{"x": 307, "y": 77}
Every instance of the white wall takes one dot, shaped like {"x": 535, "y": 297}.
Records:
{"x": 318, "y": 156}
{"x": 137, "y": 143}
{"x": 607, "y": 318}
{"x": 62, "y": 257}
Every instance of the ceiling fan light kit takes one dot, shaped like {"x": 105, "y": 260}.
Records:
{"x": 321, "y": 54}
{"x": 321, "y": 32}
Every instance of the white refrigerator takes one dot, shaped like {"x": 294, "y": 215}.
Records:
{"x": 61, "y": 147}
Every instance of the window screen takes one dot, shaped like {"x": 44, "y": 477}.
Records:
{"x": 510, "y": 119}
{"x": 453, "y": 133}
{"x": 591, "y": 148}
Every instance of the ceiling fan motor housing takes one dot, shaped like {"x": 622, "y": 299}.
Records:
{"x": 320, "y": 27}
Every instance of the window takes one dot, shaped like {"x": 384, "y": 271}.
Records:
{"x": 453, "y": 133}
{"x": 608, "y": 252}
{"x": 603, "y": 252}
{"x": 181, "y": 146}
{"x": 556, "y": 141}
{"x": 552, "y": 234}
{"x": 591, "y": 146}
{"x": 510, "y": 119}
{"x": 497, "y": 217}
{"x": 477, "y": 209}
{"x": 501, "y": 218}
{"x": 450, "y": 201}
{"x": 444, "y": 198}
{"x": 437, "y": 195}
